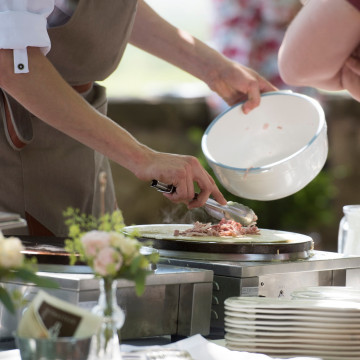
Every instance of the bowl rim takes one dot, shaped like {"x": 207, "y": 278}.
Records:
{"x": 322, "y": 126}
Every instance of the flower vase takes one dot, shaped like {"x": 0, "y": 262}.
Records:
{"x": 106, "y": 344}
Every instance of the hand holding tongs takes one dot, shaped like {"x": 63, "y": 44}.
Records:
{"x": 232, "y": 211}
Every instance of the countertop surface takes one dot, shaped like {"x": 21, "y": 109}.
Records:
{"x": 197, "y": 346}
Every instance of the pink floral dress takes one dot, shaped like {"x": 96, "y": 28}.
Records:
{"x": 251, "y": 31}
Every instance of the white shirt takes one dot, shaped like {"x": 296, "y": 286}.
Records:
{"x": 24, "y": 23}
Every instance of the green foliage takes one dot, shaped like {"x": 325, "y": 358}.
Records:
{"x": 303, "y": 211}
{"x": 6, "y": 299}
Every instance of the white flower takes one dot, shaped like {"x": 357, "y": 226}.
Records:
{"x": 10, "y": 253}
{"x": 94, "y": 241}
{"x": 127, "y": 245}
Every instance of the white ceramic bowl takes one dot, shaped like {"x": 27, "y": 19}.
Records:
{"x": 272, "y": 152}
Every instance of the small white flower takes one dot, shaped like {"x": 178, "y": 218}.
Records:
{"x": 10, "y": 253}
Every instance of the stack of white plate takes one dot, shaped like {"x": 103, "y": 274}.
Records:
{"x": 328, "y": 329}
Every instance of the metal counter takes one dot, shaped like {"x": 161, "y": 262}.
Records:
{"x": 272, "y": 278}
{"x": 176, "y": 301}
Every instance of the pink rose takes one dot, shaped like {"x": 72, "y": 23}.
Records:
{"x": 94, "y": 241}
{"x": 107, "y": 262}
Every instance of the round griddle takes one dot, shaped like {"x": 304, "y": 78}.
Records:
{"x": 296, "y": 246}
{"x": 51, "y": 255}
{"x": 46, "y": 249}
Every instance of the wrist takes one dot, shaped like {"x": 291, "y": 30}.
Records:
{"x": 139, "y": 161}
{"x": 216, "y": 74}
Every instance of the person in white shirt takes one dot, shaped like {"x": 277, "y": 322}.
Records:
{"x": 49, "y": 131}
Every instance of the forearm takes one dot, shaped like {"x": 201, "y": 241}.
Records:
{"x": 232, "y": 81}
{"x": 45, "y": 94}
{"x": 318, "y": 42}
{"x": 156, "y": 36}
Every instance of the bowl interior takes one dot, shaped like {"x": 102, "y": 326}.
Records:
{"x": 281, "y": 126}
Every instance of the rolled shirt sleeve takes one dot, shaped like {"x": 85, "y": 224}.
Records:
{"x": 23, "y": 24}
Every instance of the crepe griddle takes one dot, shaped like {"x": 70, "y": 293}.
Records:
{"x": 46, "y": 249}
{"x": 196, "y": 247}
{"x": 229, "y": 248}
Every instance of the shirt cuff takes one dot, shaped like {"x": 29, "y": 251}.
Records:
{"x": 23, "y": 29}
{"x": 21, "y": 61}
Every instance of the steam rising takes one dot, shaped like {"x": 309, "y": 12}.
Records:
{"x": 180, "y": 214}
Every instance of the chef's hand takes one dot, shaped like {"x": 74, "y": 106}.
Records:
{"x": 181, "y": 171}
{"x": 236, "y": 83}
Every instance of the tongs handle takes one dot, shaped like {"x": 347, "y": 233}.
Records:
{"x": 166, "y": 188}
{"x": 162, "y": 187}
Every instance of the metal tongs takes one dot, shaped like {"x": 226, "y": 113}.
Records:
{"x": 232, "y": 211}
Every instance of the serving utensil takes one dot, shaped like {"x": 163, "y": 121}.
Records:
{"x": 231, "y": 211}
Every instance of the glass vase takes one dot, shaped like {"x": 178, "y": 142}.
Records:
{"x": 106, "y": 344}
{"x": 349, "y": 231}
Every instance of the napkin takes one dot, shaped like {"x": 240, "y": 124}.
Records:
{"x": 202, "y": 349}
{"x": 50, "y": 317}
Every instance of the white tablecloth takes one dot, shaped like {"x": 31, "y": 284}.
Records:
{"x": 198, "y": 347}
{"x": 202, "y": 349}
{"x": 10, "y": 355}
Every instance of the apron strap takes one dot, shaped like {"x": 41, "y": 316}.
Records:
{"x": 17, "y": 122}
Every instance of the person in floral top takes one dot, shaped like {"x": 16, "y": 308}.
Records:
{"x": 251, "y": 32}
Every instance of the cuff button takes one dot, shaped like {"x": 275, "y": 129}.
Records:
{"x": 21, "y": 66}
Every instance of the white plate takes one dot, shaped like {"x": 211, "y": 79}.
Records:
{"x": 262, "y": 303}
{"x": 280, "y": 331}
{"x": 349, "y": 313}
{"x": 305, "y": 330}
{"x": 288, "y": 337}
{"x": 293, "y": 345}
{"x": 327, "y": 293}
{"x": 289, "y": 323}
{"x": 259, "y": 334}
{"x": 328, "y": 355}
{"x": 303, "y": 316}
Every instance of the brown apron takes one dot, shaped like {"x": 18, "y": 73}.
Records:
{"x": 44, "y": 171}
